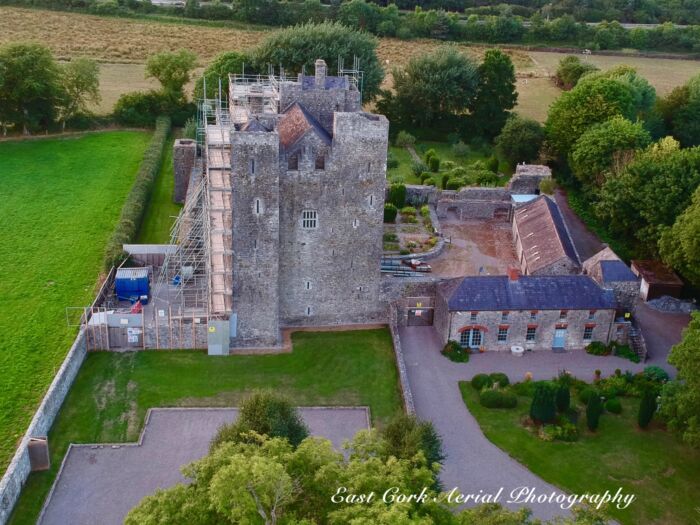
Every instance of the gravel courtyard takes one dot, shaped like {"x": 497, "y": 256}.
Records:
{"x": 99, "y": 484}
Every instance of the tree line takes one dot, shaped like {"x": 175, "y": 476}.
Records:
{"x": 390, "y": 21}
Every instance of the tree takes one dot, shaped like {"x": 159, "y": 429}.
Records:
{"x": 543, "y": 408}
{"x": 520, "y": 139}
{"x": 643, "y": 93}
{"x": 172, "y": 70}
{"x": 594, "y": 409}
{"x": 589, "y": 103}
{"x": 30, "y": 87}
{"x": 224, "y": 64}
{"x": 570, "y": 70}
{"x": 679, "y": 245}
{"x": 442, "y": 84}
{"x": 496, "y": 94}
{"x": 264, "y": 413}
{"x": 647, "y": 407}
{"x": 81, "y": 83}
{"x": 596, "y": 151}
{"x": 680, "y": 110}
{"x": 563, "y": 398}
{"x": 680, "y": 399}
{"x": 297, "y": 47}
{"x": 405, "y": 436}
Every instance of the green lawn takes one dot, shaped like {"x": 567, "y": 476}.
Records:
{"x": 113, "y": 391}
{"x": 161, "y": 211}
{"x": 60, "y": 200}
{"x": 403, "y": 170}
{"x": 652, "y": 464}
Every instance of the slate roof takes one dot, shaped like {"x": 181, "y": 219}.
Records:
{"x": 295, "y": 123}
{"x": 309, "y": 82}
{"x": 656, "y": 272}
{"x": 528, "y": 292}
{"x": 254, "y": 125}
{"x": 616, "y": 271}
{"x": 543, "y": 234}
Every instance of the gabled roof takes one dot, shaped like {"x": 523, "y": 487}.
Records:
{"x": 254, "y": 125}
{"x": 543, "y": 234}
{"x": 295, "y": 123}
{"x": 527, "y": 292}
{"x": 616, "y": 271}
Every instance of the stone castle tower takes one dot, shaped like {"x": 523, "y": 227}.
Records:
{"x": 308, "y": 171}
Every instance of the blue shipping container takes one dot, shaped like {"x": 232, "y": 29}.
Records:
{"x": 131, "y": 283}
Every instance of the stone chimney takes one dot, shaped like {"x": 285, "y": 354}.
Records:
{"x": 320, "y": 73}
{"x": 513, "y": 274}
{"x": 184, "y": 154}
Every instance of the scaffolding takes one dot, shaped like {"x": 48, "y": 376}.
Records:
{"x": 254, "y": 95}
{"x": 354, "y": 75}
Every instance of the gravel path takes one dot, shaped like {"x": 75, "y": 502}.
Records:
{"x": 100, "y": 484}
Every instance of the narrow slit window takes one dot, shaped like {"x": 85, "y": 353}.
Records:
{"x": 355, "y": 223}
{"x": 258, "y": 207}
{"x": 307, "y": 285}
{"x": 308, "y": 310}
{"x": 252, "y": 166}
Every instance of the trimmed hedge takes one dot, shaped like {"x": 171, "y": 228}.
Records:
{"x": 135, "y": 205}
{"x": 498, "y": 399}
{"x": 613, "y": 406}
{"x": 500, "y": 378}
{"x": 479, "y": 381}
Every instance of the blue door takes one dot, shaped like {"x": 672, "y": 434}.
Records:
{"x": 559, "y": 338}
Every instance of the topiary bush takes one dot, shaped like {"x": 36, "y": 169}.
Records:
{"x": 613, "y": 405}
{"x": 543, "y": 408}
{"x": 563, "y": 398}
{"x": 455, "y": 352}
{"x": 498, "y": 399}
{"x": 647, "y": 407}
{"x": 593, "y": 411}
{"x": 479, "y": 381}
{"x": 434, "y": 164}
{"x": 134, "y": 207}
{"x": 656, "y": 374}
{"x": 499, "y": 378}
{"x": 397, "y": 195}
{"x": 585, "y": 394}
{"x": 418, "y": 167}
{"x": 390, "y": 212}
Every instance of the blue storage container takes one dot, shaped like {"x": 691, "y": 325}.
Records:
{"x": 131, "y": 283}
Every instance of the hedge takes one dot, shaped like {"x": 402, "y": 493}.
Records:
{"x": 136, "y": 201}
{"x": 498, "y": 399}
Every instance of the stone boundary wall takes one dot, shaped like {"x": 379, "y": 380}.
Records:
{"x": 16, "y": 475}
{"x": 400, "y": 361}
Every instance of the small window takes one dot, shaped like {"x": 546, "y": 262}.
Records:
{"x": 320, "y": 162}
{"x": 309, "y": 219}
{"x": 531, "y": 333}
{"x": 308, "y": 310}
{"x": 258, "y": 207}
{"x": 371, "y": 200}
{"x": 355, "y": 223}
{"x": 369, "y": 167}
{"x": 464, "y": 338}
{"x": 591, "y": 315}
{"x": 251, "y": 166}
{"x": 473, "y": 316}
{"x": 533, "y": 315}
{"x": 562, "y": 315}
{"x": 504, "y": 316}
{"x": 307, "y": 285}
{"x": 588, "y": 333}
{"x": 502, "y": 334}
{"x": 293, "y": 162}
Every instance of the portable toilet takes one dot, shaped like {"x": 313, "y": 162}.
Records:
{"x": 131, "y": 284}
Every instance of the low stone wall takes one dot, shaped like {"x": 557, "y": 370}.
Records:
{"x": 400, "y": 361}
{"x": 19, "y": 469}
{"x": 475, "y": 203}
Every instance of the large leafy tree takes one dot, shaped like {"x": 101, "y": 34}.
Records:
{"x": 172, "y": 70}
{"x": 570, "y": 70}
{"x": 603, "y": 145}
{"x": 520, "y": 139}
{"x": 297, "y": 47}
{"x": 432, "y": 88}
{"x": 680, "y": 110}
{"x": 589, "y": 103}
{"x": 230, "y": 62}
{"x": 680, "y": 399}
{"x": 680, "y": 244}
{"x": 30, "y": 87}
{"x": 643, "y": 93}
{"x": 652, "y": 190}
{"x": 81, "y": 82}
{"x": 496, "y": 94}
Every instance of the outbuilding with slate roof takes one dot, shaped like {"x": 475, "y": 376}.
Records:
{"x": 553, "y": 312}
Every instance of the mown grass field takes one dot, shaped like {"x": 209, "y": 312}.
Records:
{"x": 113, "y": 391}
{"x": 653, "y": 464}
{"x": 60, "y": 200}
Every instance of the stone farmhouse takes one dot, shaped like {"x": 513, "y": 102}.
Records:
{"x": 609, "y": 271}
{"x": 553, "y": 312}
{"x": 543, "y": 244}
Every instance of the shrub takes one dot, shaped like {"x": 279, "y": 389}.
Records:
{"x": 405, "y": 436}
{"x": 543, "y": 408}
{"x": 190, "y": 129}
{"x": 656, "y": 374}
{"x": 455, "y": 352}
{"x": 404, "y": 138}
{"x": 455, "y": 183}
{"x": 429, "y": 155}
{"x": 563, "y": 398}
{"x": 391, "y": 161}
{"x": 564, "y": 432}
{"x": 265, "y": 413}
{"x": 141, "y": 109}
{"x": 498, "y": 399}
{"x": 460, "y": 149}
{"x": 647, "y": 407}
{"x": 434, "y": 164}
{"x": 624, "y": 351}
{"x": 547, "y": 186}
{"x": 613, "y": 405}
{"x": 447, "y": 165}
{"x": 492, "y": 164}
{"x": 390, "y": 212}
{"x": 136, "y": 201}
{"x": 483, "y": 177}
{"x": 409, "y": 210}
{"x": 390, "y": 237}
{"x": 418, "y": 167}
{"x": 479, "y": 381}
{"x": 597, "y": 348}
{"x": 526, "y": 388}
{"x": 425, "y": 211}
{"x": 585, "y": 395}
{"x": 397, "y": 195}
{"x": 500, "y": 378}
{"x": 593, "y": 411}
{"x": 425, "y": 176}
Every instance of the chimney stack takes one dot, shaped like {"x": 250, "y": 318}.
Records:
{"x": 513, "y": 274}
{"x": 320, "y": 73}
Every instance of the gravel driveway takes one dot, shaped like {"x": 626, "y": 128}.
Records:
{"x": 99, "y": 484}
